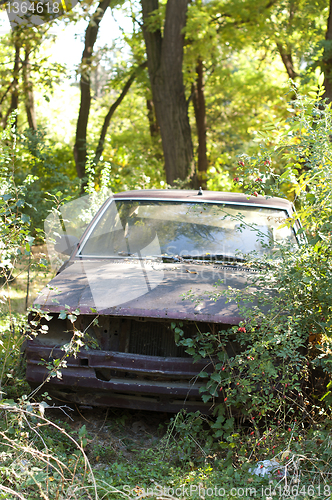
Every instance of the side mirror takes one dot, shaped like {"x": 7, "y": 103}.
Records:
{"x": 66, "y": 244}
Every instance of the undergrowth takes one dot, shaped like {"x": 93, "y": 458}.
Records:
{"x": 269, "y": 435}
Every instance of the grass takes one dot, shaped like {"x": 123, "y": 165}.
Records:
{"x": 91, "y": 453}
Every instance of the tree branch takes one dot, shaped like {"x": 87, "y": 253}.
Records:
{"x": 9, "y": 86}
{"x": 288, "y": 62}
{"x": 14, "y": 98}
{"x": 108, "y": 117}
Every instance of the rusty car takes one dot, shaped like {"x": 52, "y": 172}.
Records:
{"x": 124, "y": 284}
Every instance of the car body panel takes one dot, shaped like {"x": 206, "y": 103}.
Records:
{"x": 73, "y": 288}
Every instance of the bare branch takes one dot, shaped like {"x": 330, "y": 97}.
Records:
{"x": 108, "y": 117}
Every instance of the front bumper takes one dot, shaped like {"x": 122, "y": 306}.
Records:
{"x": 107, "y": 378}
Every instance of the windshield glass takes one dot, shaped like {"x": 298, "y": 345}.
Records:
{"x": 167, "y": 228}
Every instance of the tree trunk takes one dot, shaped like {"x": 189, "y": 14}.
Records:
{"x": 327, "y": 59}
{"x": 165, "y": 57}
{"x": 200, "y": 116}
{"x": 83, "y": 116}
{"x": 153, "y": 122}
{"x": 108, "y": 117}
{"x": 28, "y": 92}
{"x": 287, "y": 59}
{"x": 14, "y": 86}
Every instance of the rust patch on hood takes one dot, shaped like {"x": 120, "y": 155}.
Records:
{"x": 145, "y": 289}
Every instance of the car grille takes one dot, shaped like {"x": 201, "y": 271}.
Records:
{"x": 154, "y": 339}
{"x": 127, "y": 335}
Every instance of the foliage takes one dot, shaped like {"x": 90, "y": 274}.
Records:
{"x": 15, "y": 243}
{"x": 28, "y": 462}
{"x": 49, "y": 170}
{"x": 274, "y": 369}
{"x": 135, "y": 158}
{"x": 24, "y": 69}
{"x": 14, "y": 223}
{"x": 244, "y": 80}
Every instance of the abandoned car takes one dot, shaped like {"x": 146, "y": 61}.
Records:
{"x": 126, "y": 281}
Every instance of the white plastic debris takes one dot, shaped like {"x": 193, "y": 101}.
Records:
{"x": 268, "y": 467}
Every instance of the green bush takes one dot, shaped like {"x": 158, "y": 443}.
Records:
{"x": 287, "y": 305}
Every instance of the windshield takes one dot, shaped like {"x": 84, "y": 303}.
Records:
{"x": 146, "y": 228}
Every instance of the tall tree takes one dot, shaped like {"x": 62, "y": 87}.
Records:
{"x": 327, "y": 57}
{"x": 165, "y": 58}
{"x": 200, "y": 117}
{"x": 13, "y": 86}
{"x": 28, "y": 90}
{"x": 80, "y": 147}
{"x": 151, "y": 114}
{"x": 22, "y": 46}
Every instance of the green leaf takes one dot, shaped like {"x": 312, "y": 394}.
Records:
{"x": 321, "y": 79}
{"x": 82, "y": 432}
{"x": 285, "y": 175}
{"x": 25, "y": 218}
{"x": 190, "y": 350}
{"x": 216, "y": 377}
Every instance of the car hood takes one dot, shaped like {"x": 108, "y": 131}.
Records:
{"x": 143, "y": 288}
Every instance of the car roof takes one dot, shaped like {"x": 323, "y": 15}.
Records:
{"x": 208, "y": 196}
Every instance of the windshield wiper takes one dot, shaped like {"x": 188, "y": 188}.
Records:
{"x": 182, "y": 258}
{"x": 214, "y": 256}
{"x": 211, "y": 257}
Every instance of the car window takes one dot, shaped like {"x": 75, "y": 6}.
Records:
{"x": 154, "y": 228}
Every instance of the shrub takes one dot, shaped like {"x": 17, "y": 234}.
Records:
{"x": 285, "y": 335}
